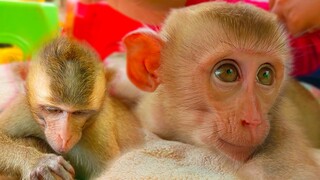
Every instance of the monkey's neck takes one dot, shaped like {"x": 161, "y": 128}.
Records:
{"x": 153, "y": 116}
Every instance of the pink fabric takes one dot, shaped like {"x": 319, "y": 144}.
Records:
{"x": 306, "y": 53}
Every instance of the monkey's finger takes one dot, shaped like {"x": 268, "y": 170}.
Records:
{"x": 60, "y": 161}
{"x": 48, "y": 176}
{"x": 33, "y": 176}
{"x": 60, "y": 170}
{"x": 42, "y": 173}
{"x": 68, "y": 167}
{"x": 61, "y": 173}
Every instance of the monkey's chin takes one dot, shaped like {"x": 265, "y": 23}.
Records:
{"x": 61, "y": 151}
{"x": 235, "y": 152}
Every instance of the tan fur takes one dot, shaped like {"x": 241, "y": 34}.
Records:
{"x": 309, "y": 110}
{"x": 115, "y": 131}
{"x": 188, "y": 103}
{"x": 112, "y": 130}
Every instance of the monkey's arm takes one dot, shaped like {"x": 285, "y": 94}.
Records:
{"x": 21, "y": 153}
{"x": 15, "y": 158}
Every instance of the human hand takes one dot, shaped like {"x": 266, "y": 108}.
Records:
{"x": 298, "y": 16}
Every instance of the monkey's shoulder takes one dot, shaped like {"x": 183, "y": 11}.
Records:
{"x": 116, "y": 114}
{"x": 16, "y": 119}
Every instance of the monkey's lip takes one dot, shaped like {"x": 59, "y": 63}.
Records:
{"x": 222, "y": 141}
{"x": 60, "y": 151}
{"x": 235, "y": 151}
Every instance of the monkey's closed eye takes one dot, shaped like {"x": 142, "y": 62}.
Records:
{"x": 265, "y": 75}
{"x": 52, "y": 110}
{"x": 80, "y": 113}
{"x": 227, "y": 72}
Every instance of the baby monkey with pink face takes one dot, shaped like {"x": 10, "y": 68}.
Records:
{"x": 218, "y": 73}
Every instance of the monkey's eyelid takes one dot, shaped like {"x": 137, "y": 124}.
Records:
{"x": 80, "y": 112}
{"x": 51, "y": 109}
{"x": 84, "y": 112}
{"x": 226, "y": 61}
{"x": 266, "y": 65}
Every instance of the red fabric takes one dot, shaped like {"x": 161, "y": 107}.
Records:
{"x": 102, "y": 27}
{"x": 306, "y": 53}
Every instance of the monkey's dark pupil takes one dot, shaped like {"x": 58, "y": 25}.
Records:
{"x": 266, "y": 74}
{"x": 229, "y": 71}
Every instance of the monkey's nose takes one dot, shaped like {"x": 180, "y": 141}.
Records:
{"x": 253, "y": 131}
{"x": 65, "y": 142}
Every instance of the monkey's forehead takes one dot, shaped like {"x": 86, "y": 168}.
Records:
{"x": 238, "y": 25}
{"x": 65, "y": 71}
{"x": 70, "y": 86}
{"x": 76, "y": 87}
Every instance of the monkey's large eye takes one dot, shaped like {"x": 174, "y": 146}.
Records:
{"x": 227, "y": 71}
{"x": 265, "y": 75}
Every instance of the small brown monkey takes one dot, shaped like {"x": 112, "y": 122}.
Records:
{"x": 65, "y": 125}
{"x": 218, "y": 73}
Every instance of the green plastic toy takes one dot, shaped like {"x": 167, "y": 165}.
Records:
{"x": 27, "y": 24}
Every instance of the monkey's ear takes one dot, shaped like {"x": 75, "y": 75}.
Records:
{"x": 143, "y": 59}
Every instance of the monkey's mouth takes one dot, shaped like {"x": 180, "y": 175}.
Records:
{"x": 232, "y": 144}
{"x": 235, "y": 151}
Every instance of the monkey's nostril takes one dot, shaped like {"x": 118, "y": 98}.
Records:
{"x": 244, "y": 123}
{"x": 252, "y": 123}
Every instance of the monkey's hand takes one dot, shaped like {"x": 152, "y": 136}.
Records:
{"x": 50, "y": 167}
